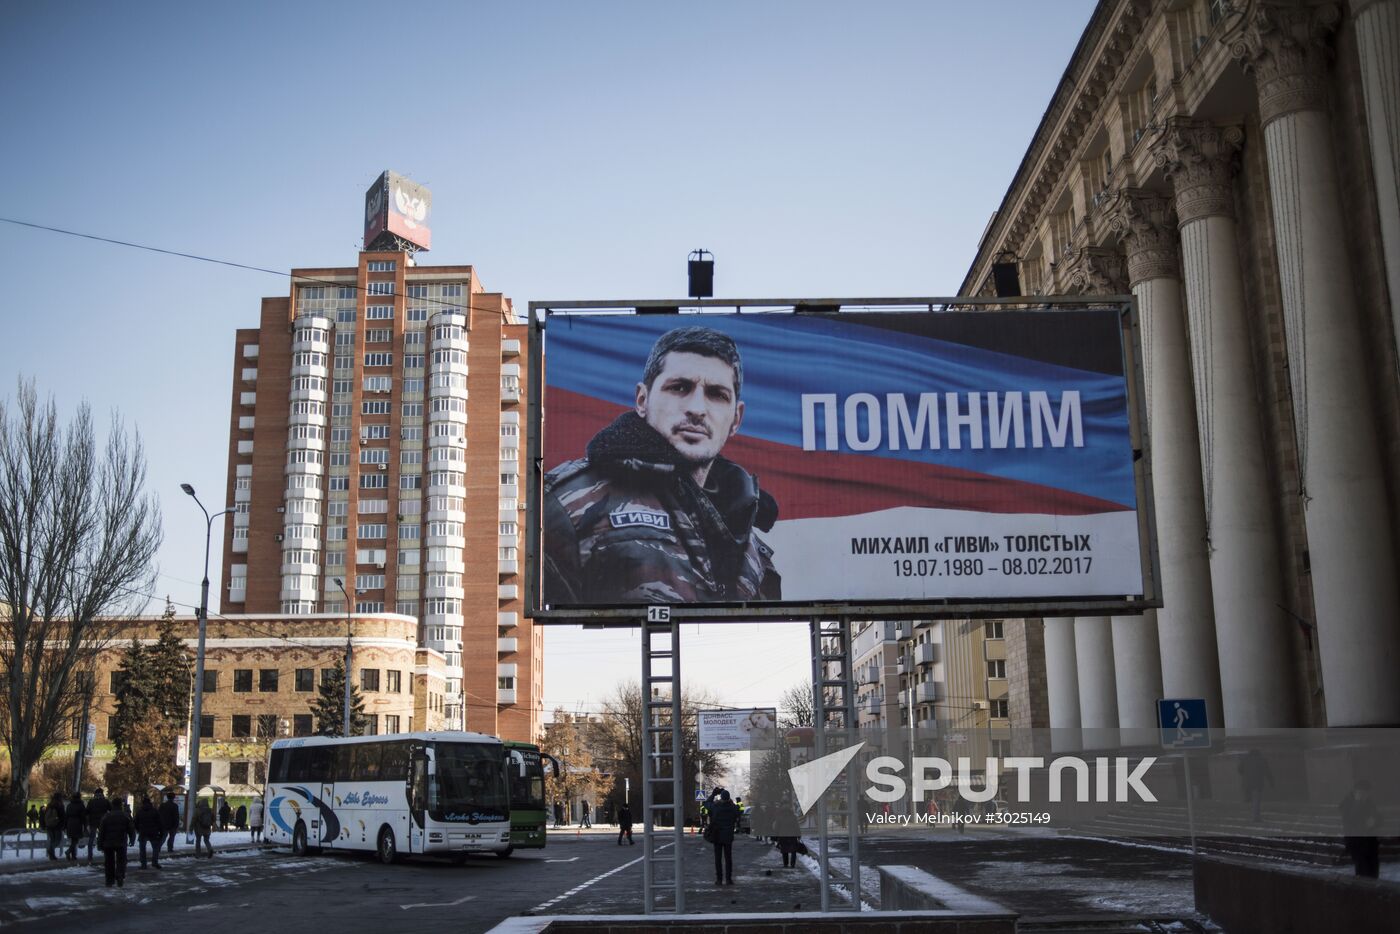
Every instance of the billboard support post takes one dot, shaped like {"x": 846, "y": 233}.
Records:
{"x": 833, "y": 699}
{"x": 662, "y": 759}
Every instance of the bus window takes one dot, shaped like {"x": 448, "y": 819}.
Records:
{"x": 277, "y": 768}
{"x": 394, "y": 766}
{"x": 318, "y": 765}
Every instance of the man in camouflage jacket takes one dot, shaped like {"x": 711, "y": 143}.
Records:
{"x": 653, "y": 514}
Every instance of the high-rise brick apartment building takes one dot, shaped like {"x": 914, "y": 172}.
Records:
{"x": 374, "y": 438}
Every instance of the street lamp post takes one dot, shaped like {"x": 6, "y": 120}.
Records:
{"x": 197, "y": 716}
{"x": 345, "y": 724}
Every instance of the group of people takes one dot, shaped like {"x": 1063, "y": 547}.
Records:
{"x": 110, "y": 825}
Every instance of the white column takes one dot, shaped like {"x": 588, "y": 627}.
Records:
{"x": 1093, "y": 652}
{"x": 1350, "y": 543}
{"x": 1185, "y": 624}
{"x": 1251, "y": 625}
{"x": 1062, "y": 681}
{"x": 1378, "y": 46}
{"x": 1137, "y": 668}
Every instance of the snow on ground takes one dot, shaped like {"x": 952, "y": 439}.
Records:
{"x": 27, "y": 857}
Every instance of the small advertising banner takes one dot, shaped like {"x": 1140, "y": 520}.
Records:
{"x": 738, "y": 730}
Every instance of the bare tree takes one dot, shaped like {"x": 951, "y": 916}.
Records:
{"x": 78, "y": 539}
{"x": 796, "y": 707}
{"x": 620, "y": 736}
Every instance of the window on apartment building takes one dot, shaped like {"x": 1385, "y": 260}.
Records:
{"x": 391, "y": 723}
{"x": 345, "y": 338}
{"x": 345, "y": 316}
{"x": 335, "y": 559}
{"x": 373, "y": 530}
{"x": 238, "y": 773}
{"x": 1000, "y": 709}
{"x": 301, "y": 724}
{"x": 306, "y": 679}
{"x": 206, "y": 726}
{"x": 340, "y": 434}
{"x": 371, "y": 724}
{"x": 267, "y": 726}
{"x": 406, "y": 607}
{"x": 379, "y": 358}
{"x": 413, "y": 339}
{"x": 409, "y": 531}
{"x": 992, "y": 629}
{"x": 116, "y": 681}
{"x": 242, "y": 726}
{"x": 506, "y": 683}
{"x": 394, "y": 682}
{"x": 370, "y": 606}
{"x": 409, "y": 556}
{"x": 413, "y": 361}
{"x": 996, "y": 668}
{"x": 340, "y": 410}
{"x": 411, "y": 482}
{"x": 369, "y": 582}
{"x": 267, "y": 680}
{"x": 374, "y": 432}
{"x": 380, "y": 288}
{"x": 410, "y": 457}
{"x": 336, "y": 533}
{"x": 206, "y": 774}
{"x": 413, "y": 410}
{"x": 369, "y": 679}
{"x": 211, "y": 681}
{"x": 417, "y": 313}
{"x": 378, "y": 335}
{"x": 374, "y": 481}
{"x": 381, "y": 265}
{"x": 510, "y": 431}
{"x": 417, "y": 291}
{"x": 376, "y": 407}
{"x": 242, "y": 680}
{"x": 112, "y": 729}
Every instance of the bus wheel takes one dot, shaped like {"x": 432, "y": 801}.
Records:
{"x": 299, "y": 840}
{"x": 505, "y": 854}
{"x": 388, "y": 849}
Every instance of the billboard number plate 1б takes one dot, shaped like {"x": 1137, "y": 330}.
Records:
{"x": 865, "y": 459}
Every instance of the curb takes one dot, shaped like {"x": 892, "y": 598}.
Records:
{"x": 37, "y": 865}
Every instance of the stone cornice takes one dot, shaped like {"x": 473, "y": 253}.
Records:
{"x": 1145, "y": 223}
{"x": 1200, "y": 159}
{"x": 1285, "y": 46}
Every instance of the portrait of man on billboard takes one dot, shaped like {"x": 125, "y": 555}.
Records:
{"x": 653, "y": 514}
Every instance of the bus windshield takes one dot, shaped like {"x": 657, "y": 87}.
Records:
{"x": 527, "y": 791}
{"x": 469, "y": 784}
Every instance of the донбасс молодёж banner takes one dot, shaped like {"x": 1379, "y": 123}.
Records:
{"x": 862, "y": 457}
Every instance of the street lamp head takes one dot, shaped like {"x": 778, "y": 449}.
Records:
{"x": 338, "y": 582}
{"x": 189, "y": 490}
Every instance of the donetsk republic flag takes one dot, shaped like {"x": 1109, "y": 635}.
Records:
{"x": 968, "y": 455}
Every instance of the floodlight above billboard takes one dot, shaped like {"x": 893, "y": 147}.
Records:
{"x": 871, "y": 462}
{"x": 397, "y": 212}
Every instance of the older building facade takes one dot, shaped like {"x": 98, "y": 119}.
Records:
{"x": 374, "y": 440}
{"x": 1234, "y": 166}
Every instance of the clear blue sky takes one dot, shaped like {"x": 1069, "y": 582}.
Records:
{"x": 574, "y": 151}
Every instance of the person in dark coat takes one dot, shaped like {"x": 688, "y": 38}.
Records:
{"x": 203, "y": 826}
{"x": 787, "y": 833}
{"x": 53, "y": 824}
{"x": 114, "y": 835}
{"x": 724, "y": 821}
{"x": 624, "y": 825}
{"x": 1255, "y": 777}
{"x": 224, "y": 814}
{"x": 240, "y": 817}
{"x": 169, "y": 820}
{"x": 75, "y": 821}
{"x": 149, "y": 832}
{"x": 97, "y": 808}
{"x": 32, "y": 818}
{"x": 1360, "y": 820}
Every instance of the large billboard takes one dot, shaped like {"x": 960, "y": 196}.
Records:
{"x": 737, "y": 730}
{"x": 948, "y": 461}
{"x": 397, "y": 207}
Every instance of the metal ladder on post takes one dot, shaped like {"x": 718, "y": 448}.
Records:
{"x": 662, "y": 765}
{"x": 833, "y": 707}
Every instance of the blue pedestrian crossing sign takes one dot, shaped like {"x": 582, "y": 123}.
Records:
{"x": 1183, "y": 723}
{"x": 699, "y": 794}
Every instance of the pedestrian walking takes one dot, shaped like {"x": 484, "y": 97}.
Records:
{"x": 169, "y": 813}
{"x": 148, "y": 831}
{"x": 788, "y": 834}
{"x": 724, "y": 820}
{"x": 75, "y": 822}
{"x": 587, "y": 815}
{"x": 203, "y": 827}
{"x": 240, "y": 817}
{"x": 255, "y": 819}
{"x": 624, "y": 825}
{"x": 114, "y": 835}
{"x": 1255, "y": 776}
{"x": 97, "y": 808}
{"x": 53, "y": 824}
{"x": 31, "y": 821}
{"x": 224, "y": 814}
{"x": 1360, "y": 820}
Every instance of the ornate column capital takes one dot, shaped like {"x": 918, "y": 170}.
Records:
{"x": 1284, "y": 43}
{"x": 1199, "y": 158}
{"x": 1097, "y": 270}
{"x": 1145, "y": 223}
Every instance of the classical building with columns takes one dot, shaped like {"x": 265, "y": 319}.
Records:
{"x": 1234, "y": 166}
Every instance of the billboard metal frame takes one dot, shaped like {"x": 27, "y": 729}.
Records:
{"x": 952, "y": 608}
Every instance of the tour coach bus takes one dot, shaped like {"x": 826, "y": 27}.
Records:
{"x": 528, "y": 814}
{"x": 442, "y": 794}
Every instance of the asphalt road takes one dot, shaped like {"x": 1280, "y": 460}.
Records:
{"x": 272, "y": 890}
